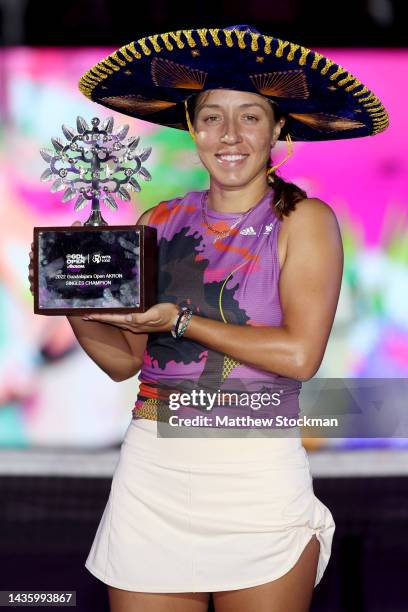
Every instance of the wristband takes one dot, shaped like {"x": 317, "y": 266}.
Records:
{"x": 181, "y": 321}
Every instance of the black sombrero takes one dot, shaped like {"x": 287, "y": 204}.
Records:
{"x": 150, "y": 79}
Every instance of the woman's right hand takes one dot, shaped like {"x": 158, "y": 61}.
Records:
{"x": 31, "y": 264}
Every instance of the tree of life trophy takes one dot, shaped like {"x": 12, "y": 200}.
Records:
{"x": 95, "y": 267}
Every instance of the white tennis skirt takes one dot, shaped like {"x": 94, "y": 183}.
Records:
{"x": 207, "y": 514}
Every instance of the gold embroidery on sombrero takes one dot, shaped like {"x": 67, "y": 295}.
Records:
{"x": 144, "y": 106}
{"x": 177, "y": 37}
{"x": 378, "y": 113}
{"x": 327, "y": 123}
{"x": 381, "y": 122}
{"x": 362, "y": 91}
{"x": 336, "y": 74}
{"x": 153, "y": 40}
{"x": 108, "y": 62}
{"x": 202, "y": 34}
{"x": 374, "y": 102}
{"x": 102, "y": 68}
{"x": 214, "y": 35}
{"x": 118, "y": 59}
{"x": 293, "y": 49}
{"x": 131, "y": 47}
{"x": 285, "y": 84}
{"x": 268, "y": 41}
{"x": 89, "y": 79}
{"x": 228, "y": 38}
{"x": 377, "y": 122}
{"x": 346, "y": 80}
{"x": 240, "y": 38}
{"x": 303, "y": 55}
{"x": 125, "y": 53}
{"x": 165, "y": 39}
{"x": 281, "y": 46}
{"x": 254, "y": 41}
{"x": 144, "y": 47}
{"x": 190, "y": 40}
{"x": 166, "y": 73}
{"x": 96, "y": 75}
{"x": 326, "y": 67}
{"x": 353, "y": 85}
{"x": 316, "y": 60}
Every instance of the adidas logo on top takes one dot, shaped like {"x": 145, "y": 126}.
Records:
{"x": 248, "y": 231}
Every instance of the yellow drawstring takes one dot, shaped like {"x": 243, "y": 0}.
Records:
{"x": 222, "y": 289}
{"x": 190, "y": 126}
{"x": 289, "y": 154}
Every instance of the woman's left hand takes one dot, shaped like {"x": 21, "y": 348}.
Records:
{"x": 158, "y": 318}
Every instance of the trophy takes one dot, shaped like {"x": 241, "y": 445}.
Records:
{"x": 95, "y": 267}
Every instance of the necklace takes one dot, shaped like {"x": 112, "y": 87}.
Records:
{"x": 220, "y": 234}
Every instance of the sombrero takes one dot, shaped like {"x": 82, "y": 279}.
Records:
{"x": 150, "y": 78}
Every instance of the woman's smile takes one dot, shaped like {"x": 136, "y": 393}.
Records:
{"x": 231, "y": 160}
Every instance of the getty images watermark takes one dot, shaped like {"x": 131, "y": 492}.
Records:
{"x": 215, "y": 401}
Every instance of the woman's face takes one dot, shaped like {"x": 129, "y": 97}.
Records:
{"x": 235, "y": 131}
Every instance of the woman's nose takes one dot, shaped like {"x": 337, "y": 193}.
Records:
{"x": 231, "y": 133}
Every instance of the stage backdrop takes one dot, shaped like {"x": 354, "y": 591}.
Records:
{"x": 51, "y": 393}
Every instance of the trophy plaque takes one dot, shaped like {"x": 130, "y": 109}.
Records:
{"x": 95, "y": 267}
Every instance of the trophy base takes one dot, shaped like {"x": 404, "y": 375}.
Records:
{"x": 79, "y": 270}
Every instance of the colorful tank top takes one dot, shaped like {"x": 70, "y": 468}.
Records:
{"x": 195, "y": 267}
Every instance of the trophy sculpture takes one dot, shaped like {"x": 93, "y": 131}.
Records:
{"x": 95, "y": 267}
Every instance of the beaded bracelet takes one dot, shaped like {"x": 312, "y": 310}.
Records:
{"x": 183, "y": 321}
{"x": 185, "y": 313}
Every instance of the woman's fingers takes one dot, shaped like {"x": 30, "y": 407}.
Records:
{"x": 108, "y": 318}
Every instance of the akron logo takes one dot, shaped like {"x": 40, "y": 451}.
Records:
{"x": 268, "y": 228}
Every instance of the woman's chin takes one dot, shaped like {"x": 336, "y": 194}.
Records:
{"x": 231, "y": 178}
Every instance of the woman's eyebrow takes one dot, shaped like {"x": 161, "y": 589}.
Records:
{"x": 246, "y": 104}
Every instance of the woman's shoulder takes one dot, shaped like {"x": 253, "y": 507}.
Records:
{"x": 310, "y": 211}
{"x": 161, "y": 211}
{"x": 313, "y": 205}
{"x": 312, "y": 221}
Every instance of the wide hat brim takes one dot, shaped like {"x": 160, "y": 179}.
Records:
{"x": 150, "y": 78}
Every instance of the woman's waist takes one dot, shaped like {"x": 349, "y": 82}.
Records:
{"x": 168, "y": 445}
{"x": 220, "y": 408}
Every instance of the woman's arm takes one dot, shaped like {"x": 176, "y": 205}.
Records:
{"x": 309, "y": 288}
{"x": 116, "y": 351}
{"x": 107, "y": 346}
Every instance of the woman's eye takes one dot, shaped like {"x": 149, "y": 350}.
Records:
{"x": 211, "y": 118}
{"x": 251, "y": 117}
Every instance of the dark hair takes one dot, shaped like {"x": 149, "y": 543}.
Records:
{"x": 286, "y": 195}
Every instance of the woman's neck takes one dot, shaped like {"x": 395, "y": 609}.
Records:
{"x": 236, "y": 199}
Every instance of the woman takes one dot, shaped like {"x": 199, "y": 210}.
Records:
{"x": 249, "y": 280}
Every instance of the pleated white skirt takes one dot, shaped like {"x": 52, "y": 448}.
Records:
{"x": 207, "y": 514}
